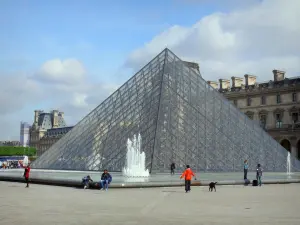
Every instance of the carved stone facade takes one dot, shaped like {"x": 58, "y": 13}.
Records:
{"x": 47, "y": 128}
{"x": 274, "y": 105}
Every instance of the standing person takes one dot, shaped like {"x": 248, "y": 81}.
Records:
{"x": 246, "y": 166}
{"x": 172, "y": 168}
{"x": 26, "y": 175}
{"x": 259, "y": 172}
{"x": 106, "y": 178}
{"x": 188, "y": 174}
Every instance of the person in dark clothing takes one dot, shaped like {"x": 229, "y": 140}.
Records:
{"x": 187, "y": 175}
{"x": 259, "y": 172}
{"x": 246, "y": 166}
{"x": 87, "y": 181}
{"x": 106, "y": 178}
{"x": 172, "y": 168}
{"x": 26, "y": 175}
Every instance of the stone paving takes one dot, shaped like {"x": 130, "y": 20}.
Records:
{"x": 51, "y": 205}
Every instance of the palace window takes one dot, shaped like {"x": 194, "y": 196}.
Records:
{"x": 263, "y": 100}
{"x": 295, "y": 117}
{"x": 235, "y": 102}
{"x": 294, "y": 97}
{"x": 248, "y": 101}
{"x": 278, "y": 120}
{"x": 250, "y": 115}
{"x": 278, "y": 99}
{"x": 263, "y": 121}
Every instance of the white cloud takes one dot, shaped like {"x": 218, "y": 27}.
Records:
{"x": 58, "y": 84}
{"x": 228, "y": 4}
{"x": 255, "y": 39}
{"x": 69, "y": 71}
{"x": 16, "y": 90}
{"x": 79, "y": 100}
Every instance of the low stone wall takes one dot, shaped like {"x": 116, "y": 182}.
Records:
{"x": 77, "y": 184}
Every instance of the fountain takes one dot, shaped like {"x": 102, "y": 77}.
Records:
{"x": 135, "y": 159}
{"x": 25, "y": 160}
{"x": 288, "y": 164}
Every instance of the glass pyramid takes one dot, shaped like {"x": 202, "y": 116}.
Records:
{"x": 181, "y": 119}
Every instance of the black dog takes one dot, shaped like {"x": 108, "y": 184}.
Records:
{"x": 212, "y": 185}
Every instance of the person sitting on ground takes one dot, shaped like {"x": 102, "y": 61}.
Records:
{"x": 87, "y": 181}
{"x": 106, "y": 178}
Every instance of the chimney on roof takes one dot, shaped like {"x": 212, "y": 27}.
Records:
{"x": 214, "y": 84}
{"x": 55, "y": 118}
{"x": 36, "y": 117}
{"x": 224, "y": 84}
{"x": 61, "y": 114}
{"x": 278, "y": 75}
{"x": 249, "y": 79}
{"x": 237, "y": 81}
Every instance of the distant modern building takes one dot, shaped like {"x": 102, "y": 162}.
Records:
{"x": 47, "y": 128}
{"x": 274, "y": 105}
{"x": 24, "y": 134}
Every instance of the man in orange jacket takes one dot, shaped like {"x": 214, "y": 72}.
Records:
{"x": 188, "y": 174}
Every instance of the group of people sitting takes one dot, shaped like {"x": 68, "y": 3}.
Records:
{"x": 106, "y": 179}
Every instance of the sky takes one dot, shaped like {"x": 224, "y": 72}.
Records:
{"x": 71, "y": 54}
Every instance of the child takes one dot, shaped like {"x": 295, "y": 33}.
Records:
{"x": 259, "y": 172}
{"x": 87, "y": 181}
{"x": 188, "y": 174}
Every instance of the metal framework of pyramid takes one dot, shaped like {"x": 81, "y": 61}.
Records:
{"x": 180, "y": 118}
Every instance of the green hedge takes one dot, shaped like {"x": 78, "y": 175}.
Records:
{"x": 11, "y": 150}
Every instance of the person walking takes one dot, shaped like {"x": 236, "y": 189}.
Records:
{"x": 187, "y": 175}
{"x": 172, "y": 168}
{"x": 26, "y": 175}
{"x": 259, "y": 172}
{"x": 246, "y": 166}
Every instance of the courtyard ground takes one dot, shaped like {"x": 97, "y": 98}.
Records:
{"x": 51, "y": 205}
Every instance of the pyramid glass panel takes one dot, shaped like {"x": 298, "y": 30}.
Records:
{"x": 180, "y": 118}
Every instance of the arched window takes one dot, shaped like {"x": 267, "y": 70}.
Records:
{"x": 250, "y": 114}
{"x": 286, "y": 144}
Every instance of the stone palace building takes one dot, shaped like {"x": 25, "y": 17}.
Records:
{"x": 47, "y": 128}
{"x": 275, "y": 105}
